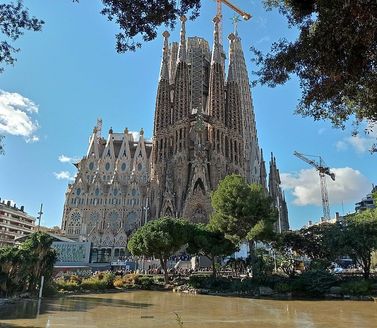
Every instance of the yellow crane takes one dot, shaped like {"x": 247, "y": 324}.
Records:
{"x": 243, "y": 14}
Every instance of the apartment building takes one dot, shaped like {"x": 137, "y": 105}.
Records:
{"x": 14, "y": 223}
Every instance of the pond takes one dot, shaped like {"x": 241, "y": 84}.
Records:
{"x": 160, "y": 309}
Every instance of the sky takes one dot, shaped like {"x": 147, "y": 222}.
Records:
{"x": 69, "y": 74}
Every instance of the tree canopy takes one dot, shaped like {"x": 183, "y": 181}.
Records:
{"x": 21, "y": 267}
{"x": 334, "y": 57}
{"x": 360, "y": 238}
{"x": 160, "y": 238}
{"x": 204, "y": 241}
{"x": 15, "y": 19}
{"x": 320, "y": 243}
{"x": 242, "y": 211}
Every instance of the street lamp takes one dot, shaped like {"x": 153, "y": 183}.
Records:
{"x": 39, "y": 217}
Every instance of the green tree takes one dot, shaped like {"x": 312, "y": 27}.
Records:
{"x": 160, "y": 238}
{"x": 360, "y": 238}
{"x": 209, "y": 243}
{"x": 317, "y": 242}
{"x": 335, "y": 58}
{"x": 41, "y": 257}
{"x": 242, "y": 211}
{"x": 22, "y": 266}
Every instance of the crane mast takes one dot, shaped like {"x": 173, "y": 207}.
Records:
{"x": 323, "y": 170}
{"x": 244, "y": 14}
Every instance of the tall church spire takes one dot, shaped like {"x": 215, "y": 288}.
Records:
{"x": 232, "y": 74}
{"x": 164, "y": 72}
{"x": 277, "y": 196}
{"x": 216, "y": 52}
{"x": 216, "y": 93}
{"x": 181, "y": 101}
{"x": 238, "y": 72}
{"x": 182, "y": 45}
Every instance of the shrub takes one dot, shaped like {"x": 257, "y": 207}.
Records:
{"x": 358, "y": 287}
{"x": 108, "y": 278}
{"x": 283, "y": 287}
{"x": 93, "y": 283}
{"x": 118, "y": 282}
{"x": 75, "y": 278}
{"x": 314, "y": 282}
{"x": 131, "y": 279}
{"x": 68, "y": 285}
{"x": 208, "y": 282}
{"x": 146, "y": 282}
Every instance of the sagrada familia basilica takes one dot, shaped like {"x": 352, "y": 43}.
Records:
{"x": 204, "y": 130}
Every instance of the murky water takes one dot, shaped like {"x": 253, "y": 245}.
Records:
{"x": 157, "y": 309}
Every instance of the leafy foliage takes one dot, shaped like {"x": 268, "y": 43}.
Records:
{"x": 314, "y": 282}
{"x": 144, "y": 17}
{"x": 262, "y": 264}
{"x": 241, "y": 210}
{"x": 209, "y": 243}
{"x": 335, "y": 58}
{"x": 21, "y": 267}
{"x": 321, "y": 243}
{"x": 14, "y": 21}
{"x": 357, "y": 287}
{"x": 360, "y": 238}
{"x": 160, "y": 238}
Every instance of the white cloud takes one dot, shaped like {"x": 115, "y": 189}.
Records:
{"x": 67, "y": 159}
{"x": 349, "y": 186}
{"x": 64, "y": 175}
{"x": 16, "y": 116}
{"x": 362, "y": 142}
{"x": 32, "y": 139}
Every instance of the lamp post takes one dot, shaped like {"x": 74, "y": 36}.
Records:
{"x": 39, "y": 217}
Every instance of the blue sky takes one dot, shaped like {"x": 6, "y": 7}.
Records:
{"x": 69, "y": 74}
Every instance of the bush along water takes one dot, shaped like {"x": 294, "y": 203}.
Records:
{"x": 107, "y": 281}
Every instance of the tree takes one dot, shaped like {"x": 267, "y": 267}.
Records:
{"x": 160, "y": 238}
{"x": 321, "y": 243}
{"x": 242, "y": 211}
{"x": 335, "y": 55}
{"x": 360, "y": 238}
{"x": 140, "y": 18}
{"x": 41, "y": 256}
{"x": 335, "y": 58}
{"x": 14, "y": 21}
{"x": 209, "y": 243}
{"x": 144, "y": 17}
{"x": 21, "y": 267}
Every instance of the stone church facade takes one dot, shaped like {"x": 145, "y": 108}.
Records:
{"x": 204, "y": 130}
{"x": 107, "y": 200}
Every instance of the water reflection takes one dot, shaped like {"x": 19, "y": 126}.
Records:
{"x": 156, "y": 309}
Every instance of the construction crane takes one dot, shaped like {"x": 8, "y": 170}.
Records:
{"x": 243, "y": 14}
{"x": 323, "y": 170}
